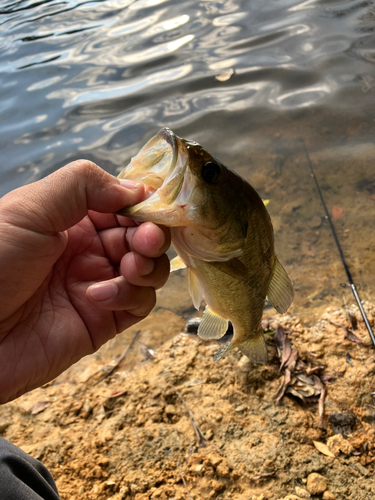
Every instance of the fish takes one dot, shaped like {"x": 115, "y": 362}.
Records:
{"x": 222, "y": 234}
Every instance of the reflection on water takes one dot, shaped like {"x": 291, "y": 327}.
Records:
{"x": 96, "y": 79}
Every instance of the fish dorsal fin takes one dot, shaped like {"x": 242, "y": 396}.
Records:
{"x": 280, "y": 291}
{"x": 195, "y": 289}
{"x": 224, "y": 349}
{"x": 255, "y": 348}
{"x": 212, "y": 325}
{"x": 233, "y": 268}
{"x": 177, "y": 263}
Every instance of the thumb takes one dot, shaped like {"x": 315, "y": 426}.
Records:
{"x": 63, "y": 198}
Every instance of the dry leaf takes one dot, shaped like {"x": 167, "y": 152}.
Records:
{"x": 39, "y": 407}
{"x": 337, "y": 211}
{"x": 117, "y": 394}
{"x": 323, "y": 448}
{"x": 261, "y": 476}
{"x": 351, "y": 336}
{"x": 225, "y": 76}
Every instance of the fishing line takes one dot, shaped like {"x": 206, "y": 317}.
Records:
{"x": 348, "y": 274}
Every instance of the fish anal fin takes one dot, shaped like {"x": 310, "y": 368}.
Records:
{"x": 224, "y": 349}
{"x": 195, "y": 289}
{"x": 212, "y": 325}
{"x": 280, "y": 291}
{"x": 177, "y": 263}
{"x": 255, "y": 348}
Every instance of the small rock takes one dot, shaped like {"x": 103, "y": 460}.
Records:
{"x": 316, "y": 484}
{"x": 215, "y": 459}
{"x": 170, "y": 410}
{"x": 209, "y": 434}
{"x": 241, "y": 408}
{"x": 223, "y": 469}
{"x": 244, "y": 364}
{"x": 216, "y": 485}
{"x": 291, "y": 497}
{"x": 302, "y": 493}
{"x": 328, "y": 495}
{"x": 198, "y": 468}
{"x": 337, "y": 443}
{"x": 4, "y": 426}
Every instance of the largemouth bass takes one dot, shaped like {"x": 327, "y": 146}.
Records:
{"x": 221, "y": 232}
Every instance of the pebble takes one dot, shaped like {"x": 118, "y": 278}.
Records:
{"x": 3, "y": 426}
{"x": 328, "y": 495}
{"x": 244, "y": 364}
{"x": 223, "y": 469}
{"x": 198, "y": 468}
{"x": 337, "y": 443}
{"x": 316, "y": 484}
{"x": 241, "y": 408}
{"x": 170, "y": 410}
{"x": 302, "y": 493}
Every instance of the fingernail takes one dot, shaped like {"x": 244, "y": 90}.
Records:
{"x": 126, "y": 183}
{"x": 102, "y": 291}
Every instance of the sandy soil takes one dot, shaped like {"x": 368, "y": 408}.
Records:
{"x": 179, "y": 426}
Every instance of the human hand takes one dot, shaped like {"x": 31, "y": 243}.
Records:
{"x": 72, "y": 274}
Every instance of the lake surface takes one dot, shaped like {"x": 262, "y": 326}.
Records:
{"x": 97, "y": 79}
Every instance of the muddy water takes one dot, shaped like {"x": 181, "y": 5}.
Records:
{"x": 97, "y": 79}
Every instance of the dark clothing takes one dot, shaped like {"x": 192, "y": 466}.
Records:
{"x": 23, "y": 477}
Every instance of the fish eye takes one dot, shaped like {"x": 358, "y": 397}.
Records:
{"x": 211, "y": 172}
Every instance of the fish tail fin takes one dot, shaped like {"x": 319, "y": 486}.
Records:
{"x": 224, "y": 349}
{"x": 255, "y": 348}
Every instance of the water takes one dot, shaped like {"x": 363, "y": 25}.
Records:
{"x": 97, "y": 79}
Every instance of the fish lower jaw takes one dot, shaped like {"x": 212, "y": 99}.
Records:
{"x": 166, "y": 216}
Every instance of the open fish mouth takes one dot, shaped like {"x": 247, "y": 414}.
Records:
{"x": 161, "y": 165}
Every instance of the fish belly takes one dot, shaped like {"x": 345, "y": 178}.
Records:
{"x": 232, "y": 300}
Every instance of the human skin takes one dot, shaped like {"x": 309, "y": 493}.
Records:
{"x": 72, "y": 274}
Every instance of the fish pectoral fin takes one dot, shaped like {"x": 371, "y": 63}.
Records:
{"x": 255, "y": 349}
{"x": 195, "y": 290}
{"x": 224, "y": 349}
{"x": 233, "y": 268}
{"x": 177, "y": 263}
{"x": 212, "y": 325}
{"x": 280, "y": 291}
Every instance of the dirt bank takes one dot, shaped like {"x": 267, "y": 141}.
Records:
{"x": 135, "y": 435}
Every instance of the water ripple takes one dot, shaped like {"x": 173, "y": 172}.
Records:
{"x": 101, "y": 74}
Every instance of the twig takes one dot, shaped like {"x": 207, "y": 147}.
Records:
{"x": 120, "y": 360}
{"x": 262, "y": 476}
{"x": 199, "y": 435}
{"x": 183, "y": 480}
